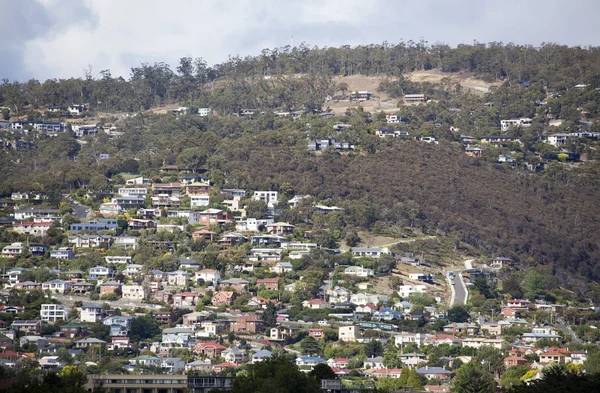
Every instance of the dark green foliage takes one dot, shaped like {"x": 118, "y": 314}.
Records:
{"x": 278, "y": 374}
{"x": 557, "y": 379}
{"x": 458, "y": 313}
{"x": 472, "y": 378}
{"x": 143, "y": 328}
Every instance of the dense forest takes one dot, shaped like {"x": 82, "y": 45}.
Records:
{"x": 399, "y": 187}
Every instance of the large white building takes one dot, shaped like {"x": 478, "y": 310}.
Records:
{"x": 91, "y": 313}
{"x": 54, "y": 312}
{"x": 199, "y": 200}
{"x": 506, "y": 124}
{"x": 268, "y": 197}
{"x": 134, "y": 292}
{"x": 406, "y": 290}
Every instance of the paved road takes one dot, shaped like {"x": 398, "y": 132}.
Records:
{"x": 80, "y": 211}
{"x": 567, "y": 329}
{"x": 461, "y": 292}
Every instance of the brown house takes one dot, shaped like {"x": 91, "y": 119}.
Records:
{"x": 198, "y": 189}
{"x": 214, "y": 217}
{"x": 268, "y": 283}
{"x": 110, "y": 287}
{"x": 515, "y": 360}
{"x": 163, "y": 317}
{"x": 248, "y": 324}
{"x": 204, "y": 234}
{"x": 316, "y": 333}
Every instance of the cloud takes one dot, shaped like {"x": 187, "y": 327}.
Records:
{"x": 60, "y": 38}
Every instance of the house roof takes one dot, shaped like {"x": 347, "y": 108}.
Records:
{"x": 433, "y": 370}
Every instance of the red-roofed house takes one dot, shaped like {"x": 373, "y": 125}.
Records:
{"x": 338, "y": 362}
{"x": 316, "y": 304}
{"x": 210, "y": 349}
{"x": 515, "y": 360}
{"x": 222, "y": 297}
{"x": 387, "y": 373}
{"x": 437, "y": 388}
{"x": 316, "y": 333}
{"x": 222, "y": 366}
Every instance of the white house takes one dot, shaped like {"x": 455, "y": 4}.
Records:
{"x": 57, "y": 285}
{"x": 178, "y": 278}
{"x": 211, "y": 275}
{"x": 63, "y": 253}
{"x": 261, "y": 355}
{"x": 364, "y": 298}
{"x": 199, "y": 200}
{"x": 506, "y": 124}
{"x": 203, "y": 111}
{"x": 268, "y": 197}
{"x": 127, "y": 242}
{"x": 370, "y": 252}
{"x": 133, "y": 269}
{"x": 282, "y": 267}
{"x": 557, "y": 140}
{"x": 133, "y": 191}
{"x": 54, "y": 312}
{"x": 358, "y": 271}
{"x": 134, "y": 292}
{"x": 347, "y": 333}
{"x": 405, "y": 338}
{"x": 405, "y": 291}
{"x": 100, "y": 272}
{"x": 117, "y": 259}
{"x": 13, "y": 249}
{"x": 91, "y": 313}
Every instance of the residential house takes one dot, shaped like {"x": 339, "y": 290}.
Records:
{"x": 514, "y": 360}
{"x": 423, "y": 277}
{"x": 91, "y": 313}
{"x": 239, "y": 284}
{"x": 136, "y": 224}
{"x": 100, "y": 272}
{"x": 347, "y": 333}
{"x": 234, "y": 355}
{"x": 406, "y": 290}
{"x": 282, "y": 267}
{"x": 103, "y": 224}
{"x": 368, "y": 308}
{"x": 58, "y": 286}
{"x": 133, "y": 191}
{"x": 222, "y": 297}
{"x": 553, "y": 357}
{"x": 134, "y": 292}
{"x": 460, "y": 328}
{"x": 268, "y": 283}
{"x": 38, "y": 250}
{"x": 74, "y": 329}
{"x": 186, "y": 299}
{"x": 280, "y": 333}
{"x": 89, "y": 342}
{"x": 316, "y": 333}
{"x": 506, "y": 124}
{"x": 280, "y": 228}
{"x": 35, "y": 228}
{"x": 178, "y": 278}
{"x": 164, "y": 200}
{"x": 133, "y": 270}
{"x": 199, "y": 200}
{"x": 339, "y": 295}
{"x": 204, "y": 234}
{"x": 309, "y": 362}
{"x": 32, "y": 326}
{"x": 261, "y": 356}
{"x": 435, "y": 372}
{"x": 359, "y": 271}
{"x": 405, "y": 338}
{"x": 12, "y": 250}
{"x": 387, "y": 373}
{"x": 500, "y": 262}
{"x": 51, "y": 313}
{"x": 126, "y": 242}
{"x": 232, "y": 239}
{"x": 206, "y": 275}
{"x": 117, "y": 259}
{"x": 173, "y": 189}
{"x": 316, "y": 304}
{"x": 364, "y": 298}
{"x": 387, "y": 314}
{"x": 82, "y": 287}
{"x": 109, "y": 287}
{"x": 209, "y": 349}
{"x": 370, "y": 252}
{"x": 440, "y": 339}
{"x": 270, "y": 198}
{"x": 212, "y": 216}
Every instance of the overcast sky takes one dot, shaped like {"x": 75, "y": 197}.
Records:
{"x": 59, "y": 38}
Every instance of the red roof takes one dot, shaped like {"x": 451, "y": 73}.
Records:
{"x": 389, "y": 371}
{"x": 210, "y": 344}
{"x": 316, "y": 301}
{"x": 275, "y": 279}
{"x": 225, "y": 364}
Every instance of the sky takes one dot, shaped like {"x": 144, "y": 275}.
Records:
{"x": 46, "y": 39}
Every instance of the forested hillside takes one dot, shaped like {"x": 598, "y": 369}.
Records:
{"x": 400, "y": 187}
